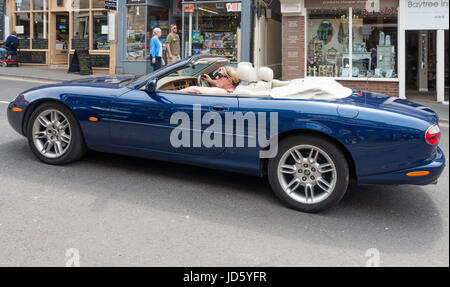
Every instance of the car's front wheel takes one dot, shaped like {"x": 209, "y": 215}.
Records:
{"x": 54, "y": 134}
{"x": 309, "y": 173}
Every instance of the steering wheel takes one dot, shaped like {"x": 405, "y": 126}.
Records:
{"x": 203, "y": 82}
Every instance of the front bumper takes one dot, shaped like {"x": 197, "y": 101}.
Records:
{"x": 436, "y": 167}
{"x": 15, "y": 119}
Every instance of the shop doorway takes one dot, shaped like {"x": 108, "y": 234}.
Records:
{"x": 59, "y": 44}
{"x": 421, "y": 68}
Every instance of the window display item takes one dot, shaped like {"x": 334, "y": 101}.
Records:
{"x": 382, "y": 39}
{"x": 341, "y": 34}
{"x": 325, "y": 31}
{"x": 385, "y": 58}
{"x": 332, "y": 55}
{"x": 326, "y": 71}
{"x": 315, "y": 48}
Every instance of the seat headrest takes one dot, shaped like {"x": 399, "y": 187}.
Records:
{"x": 246, "y": 72}
{"x": 265, "y": 74}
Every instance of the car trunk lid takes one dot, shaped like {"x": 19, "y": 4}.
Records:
{"x": 393, "y": 104}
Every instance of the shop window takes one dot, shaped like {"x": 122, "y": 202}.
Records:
{"x": 22, "y": 5}
{"x": 23, "y": 29}
{"x": 40, "y": 28}
{"x": 157, "y": 17}
{"x": 374, "y": 43}
{"x": 136, "y": 32}
{"x": 98, "y": 3}
{"x": 100, "y": 31}
{"x": 80, "y": 4}
{"x": 40, "y": 4}
{"x": 80, "y": 39}
{"x": 327, "y": 43}
{"x": 215, "y": 29}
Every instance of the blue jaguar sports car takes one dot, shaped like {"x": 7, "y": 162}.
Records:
{"x": 314, "y": 135}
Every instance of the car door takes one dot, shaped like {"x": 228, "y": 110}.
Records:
{"x": 141, "y": 120}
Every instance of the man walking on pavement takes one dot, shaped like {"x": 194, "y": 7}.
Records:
{"x": 173, "y": 45}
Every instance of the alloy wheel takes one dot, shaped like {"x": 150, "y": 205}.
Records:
{"x": 52, "y": 133}
{"x": 307, "y": 174}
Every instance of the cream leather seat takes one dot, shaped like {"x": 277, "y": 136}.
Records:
{"x": 253, "y": 84}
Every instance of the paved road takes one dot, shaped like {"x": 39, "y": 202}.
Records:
{"x": 124, "y": 211}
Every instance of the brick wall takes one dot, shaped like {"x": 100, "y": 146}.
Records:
{"x": 293, "y": 47}
{"x": 388, "y": 88}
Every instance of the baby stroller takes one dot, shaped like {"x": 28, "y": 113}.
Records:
{"x": 8, "y": 58}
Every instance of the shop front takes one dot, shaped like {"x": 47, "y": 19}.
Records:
{"x": 51, "y": 31}
{"x": 361, "y": 44}
{"x": 217, "y": 27}
{"x": 357, "y": 45}
{"x": 137, "y": 19}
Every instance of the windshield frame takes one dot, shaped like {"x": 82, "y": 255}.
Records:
{"x": 141, "y": 81}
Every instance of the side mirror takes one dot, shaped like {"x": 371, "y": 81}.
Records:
{"x": 150, "y": 86}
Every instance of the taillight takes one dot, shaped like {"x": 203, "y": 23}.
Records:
{"x": 433, "y": 135}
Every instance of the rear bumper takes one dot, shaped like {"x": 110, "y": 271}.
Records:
{"x": 436, "y": 167}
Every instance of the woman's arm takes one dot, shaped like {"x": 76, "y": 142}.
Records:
{"x": 204, "y": 90}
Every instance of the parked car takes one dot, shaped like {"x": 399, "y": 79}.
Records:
{"x": 323, "y": 143}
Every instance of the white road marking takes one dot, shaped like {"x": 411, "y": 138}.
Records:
{"x": 27, "y": 80}
{"x": 3, "y": 102}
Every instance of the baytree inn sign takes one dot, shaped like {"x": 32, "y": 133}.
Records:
{"x": 426, "y": 15}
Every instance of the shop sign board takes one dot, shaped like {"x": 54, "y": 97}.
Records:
{"x": 426, "y": 15}
{"x": 189, "y": 8}
{"x": 111, "y": 27}
{"x": 81, "y": 63}
{"x": 111, "y": 4}
{"x": 234, "y": 7}
{"x": 369, "y": 5}
{"x": 2, "y": 20}
{"x": 19, "y": 29}
{"x": 136, "y": 1}
{"x": 32, "y": 57}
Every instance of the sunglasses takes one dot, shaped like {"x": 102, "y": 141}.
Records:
{"x": 220, "y": 76}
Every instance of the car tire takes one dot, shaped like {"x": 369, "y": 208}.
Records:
{"x": 54, "y": 134}
{"x": 307, "y": 180}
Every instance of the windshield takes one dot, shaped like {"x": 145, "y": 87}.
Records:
{"x": 193, "y": 70}
{"x": 190, "y": 71}
{"x": 138, "y": 79}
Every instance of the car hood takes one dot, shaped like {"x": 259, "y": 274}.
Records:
{"x": 392, "y": 104}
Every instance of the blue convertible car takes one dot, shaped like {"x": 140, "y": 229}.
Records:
{"x": 324, "y": 137}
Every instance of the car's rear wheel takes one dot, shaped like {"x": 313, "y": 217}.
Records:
{"x": 308, "y": 174}
{"x": 54, "y": 134}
